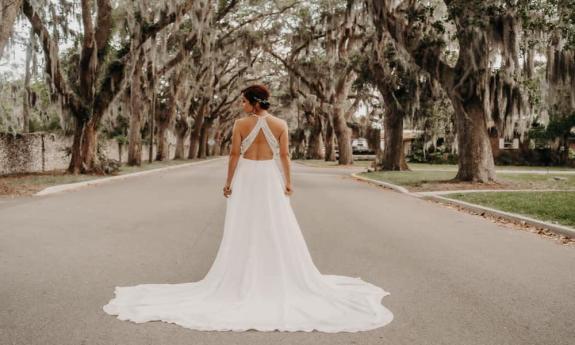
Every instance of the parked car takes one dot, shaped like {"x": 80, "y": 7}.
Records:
{"x": 359, "y": 146}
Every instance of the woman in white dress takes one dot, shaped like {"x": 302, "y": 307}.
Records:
{"x": 263, "y": 277}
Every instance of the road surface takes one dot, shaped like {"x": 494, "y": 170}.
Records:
{"x": 454, "y": 278}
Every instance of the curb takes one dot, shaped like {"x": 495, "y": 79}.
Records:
{"x": 558, "y": 229}
{"x": 385, "y": 184}
{"x": 76, "y": 185}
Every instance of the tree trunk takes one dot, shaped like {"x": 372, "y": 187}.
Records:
{"x": 217, "y": 143}
{"x": 203, "y": 140}
{"x": 167, "y": 117}
{"x": 135, "y": 135}
{"x": 151, "y": 77}
{"x": 224, "y": 148}
{"x": 393, "y": 157}
{"x": 315, "y": 140}
{"x": 27, "y": 91}
{"x": 75, "y": 166}
{"x": 329, "y": 147}
{"x": 195, "y": 136}
{"x": 475, "y": 157}
{"x": 135, "y": 142}
{"x": 343, "y": 134}
{"x": 208, "y": 136}
{"x": 473, "y": 145}
{"x": 162, "y": 152}
{"x": 181, "y": 130}
{"x": 89, "y": 147}
{"x": 297, "y": 140}
{"x": 374, "y": 143}
{"x": 83, "y": 147}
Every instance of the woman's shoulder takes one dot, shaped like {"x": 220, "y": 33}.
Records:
{"x": 249, "y": 118}
{"x": 278, "y": 122}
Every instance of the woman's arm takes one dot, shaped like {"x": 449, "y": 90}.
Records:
{"x": 284, "y": 155}
{"x": 234, "y": 153}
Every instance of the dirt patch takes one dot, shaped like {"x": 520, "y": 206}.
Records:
{"x": 20, "y": 190}
{"x": 459, "y": 185}
{"x": 26, "y": 184}
{"x": 330, "y": 164}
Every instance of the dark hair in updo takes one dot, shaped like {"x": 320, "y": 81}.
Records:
{"x": 257, "y": 94}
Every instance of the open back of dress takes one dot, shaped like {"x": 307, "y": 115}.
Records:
{"x": 261, "y": 126}
{"x": 263, "y": 276}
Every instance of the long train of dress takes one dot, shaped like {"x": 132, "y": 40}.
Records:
{"x": 263, "y": 276}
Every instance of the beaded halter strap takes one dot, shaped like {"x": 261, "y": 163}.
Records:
{"x": 270, "y": 138}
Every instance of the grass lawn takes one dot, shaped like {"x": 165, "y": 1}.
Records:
{"x": 410, "y": 178}
{"x": 429, "y": 180}
{"x": 427, "y": 166}
{"x": 30, "y": 183}
{"x": 555, "y": 207}
{"x": 320, "y": 163}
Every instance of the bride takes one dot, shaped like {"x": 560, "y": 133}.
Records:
{"x": 263, "y": 277}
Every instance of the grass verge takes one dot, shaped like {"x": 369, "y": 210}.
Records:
{"x": 429, "y": 180}
{"x": 30, "y": 183}
{"x": 554, "y": 207}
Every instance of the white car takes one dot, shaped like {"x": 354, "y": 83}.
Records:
{"x": 360, "y": 146}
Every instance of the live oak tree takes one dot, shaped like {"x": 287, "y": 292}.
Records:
{"x": 322, "y": 55}
{"x": 101, "y": 70}
{"x": 482, "y": 28}
{"x": 103, "y": 67}
{"x": 178, "y": 65}
{"x": 555, "y": 24}
{"x": 399, "y": 84}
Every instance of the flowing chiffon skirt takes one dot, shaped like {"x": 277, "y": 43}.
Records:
{"x": 263, "y": 277}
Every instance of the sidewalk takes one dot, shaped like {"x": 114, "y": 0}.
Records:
{"x": 437, "y": 196}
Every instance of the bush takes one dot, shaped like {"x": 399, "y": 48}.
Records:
{"x": 505, "y": 158}
{"x": 437, "y": 156}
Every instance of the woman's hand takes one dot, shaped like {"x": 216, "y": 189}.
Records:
{"x": 227, "y": 191}
{"x": 288, "y": 190}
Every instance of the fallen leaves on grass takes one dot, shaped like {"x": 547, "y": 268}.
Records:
{"x": 459, "y": 185}
{"x": 25, "y": 184}
{"x": 519, "y": 225}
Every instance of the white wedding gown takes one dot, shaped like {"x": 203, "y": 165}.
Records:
{"x": 263, "y": 276}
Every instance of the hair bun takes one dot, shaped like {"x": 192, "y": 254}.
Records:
{"x": 257, "y": 94}
{"x": 265, "y": 104}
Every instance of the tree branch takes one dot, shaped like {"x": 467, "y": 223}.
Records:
{"x": 313, "y": 86}
{"x": 425, "y": 54}
{"x": 53, "y": 69}
{"x": 103, "y": 25}
{"x": 166, "y": 19}
{"x": 114, "y": 81}
{"x": 221, "y": 14}
{"x": 251, "y": 20}
{"x": 180, "y": 56}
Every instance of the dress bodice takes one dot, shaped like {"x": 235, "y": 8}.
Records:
{"x": 270, "y": 138}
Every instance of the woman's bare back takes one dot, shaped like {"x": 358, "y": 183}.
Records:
{"x": 260, "y": 149}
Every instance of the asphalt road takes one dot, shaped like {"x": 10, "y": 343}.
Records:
{"x": 454, "y": 278}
